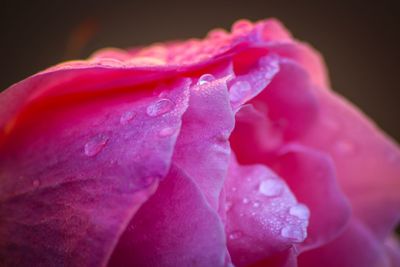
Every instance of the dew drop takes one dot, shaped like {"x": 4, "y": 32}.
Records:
{"x": 300, "y": 211}
{"x": 205, "y": 78}
{"x": 242, "y": 26}
{"x": 94, "y": 146}
{"x": 245, "y": 200}
{"x": 256, "y": 204}
{"x": 344, "y": 147}
{"x": 127, "y": 117}
{"x": 36, "y": 183}
{"x": 271, "y": 187}
{"x": 293, "y": 233}
{"x": 160, "y": 107}
{"x": 167, "y": 131}
{"x": 235, "y": 235}
{"x": 234, "y": 189}
{"x": 239, "y": 91}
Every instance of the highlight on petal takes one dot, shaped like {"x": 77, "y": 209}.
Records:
{"x": 176, "y": 227}
{"x": 263, "y": 217}
{"x": 70, "y": 186}
{"x": 311, "y": 177}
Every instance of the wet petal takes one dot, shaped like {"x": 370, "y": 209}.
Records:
{"x": 70, "y": 186}
{"x": 259, "y": 222}
{"x": 202, "y": 149}
{"x": 312, "y": 178}
{"x": 176, "y": 227}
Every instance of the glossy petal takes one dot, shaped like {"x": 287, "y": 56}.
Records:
{"x": 312, "y": 178}
{"x": 69, "y": 188}
{"x": 184, "y": 231}
{"x": 367, "y": 161}
{"x": 356, "y": 246}
{"x": 259, "y": 222}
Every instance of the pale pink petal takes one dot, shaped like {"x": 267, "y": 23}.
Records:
{"x": 259, "y": 223}
{"x": 367, "y": 161}
{"x": 176, "y": 227}
{"x": 74, "y": 172}
{"x": 356, "y": 246}
{"x": 312, "y": 178}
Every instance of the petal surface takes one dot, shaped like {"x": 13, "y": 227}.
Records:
{"x": 70, "y": 186}
{"x": 184, "y": 231}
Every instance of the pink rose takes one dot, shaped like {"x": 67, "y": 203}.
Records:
{"x": 227, "y": 151}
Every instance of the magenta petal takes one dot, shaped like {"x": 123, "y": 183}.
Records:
{"x": 356, "y": 246}
{"x": 259, "y": 220}
{"x": 311, "y": 176}
{"x": 176, "y": 227}
{"x": 367, "y": 161}
{"x": 202, "y": 149}
{"x": 392, "y": 247}
{"x": 70, "y": 186}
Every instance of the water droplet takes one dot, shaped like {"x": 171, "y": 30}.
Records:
{"x": 256, "y": 204}
{"x": 160, "y": 107}
{"x": 271, "y": 187}
{"x": 245, "y": 200}
{"x": 300, "y": 211}
{"x": 94, "y": 146}
{"x": 127, "y": 117}
{"x": 242, "y": 26}
{"x": 235, "y": 235}
{"x": 36, "y": 183}
{"x": 206, "y": 78}
{"x": 234, "y": 189}
{"x": 296, "y": 234}
{"x": 239, "y": 91}
{"x": 344, "y": 147}
{"x": 167, "y": 131}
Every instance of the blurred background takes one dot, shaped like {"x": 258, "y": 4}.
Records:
{"x": 359, "y": 39}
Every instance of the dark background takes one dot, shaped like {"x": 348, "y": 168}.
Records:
{"x": 359, "y": 39}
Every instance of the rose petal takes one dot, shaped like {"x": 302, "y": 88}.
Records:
{"x": 311, "y": 176}
{"x": 176, "y": 227}
{"x": 286, "y": 110}
{"x": 259, "y": 223}
{"x": 392, "y": 247}
{"x": 70, "y": 186}
{"x": 202, "y": 149}
{"x": 356, "y": 246}
{"x": 367, "y": 161}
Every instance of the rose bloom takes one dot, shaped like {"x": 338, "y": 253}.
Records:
{"x": 226, "y": 151}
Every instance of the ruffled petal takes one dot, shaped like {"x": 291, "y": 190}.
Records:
{"x": 259, "y": 220}
{"x": 367, "y": 161}
{"x": 72, "y": 174}
{"x": 312, "y": 178}
{"x": 176, "y": 227}
{"x": 356, "y": 246}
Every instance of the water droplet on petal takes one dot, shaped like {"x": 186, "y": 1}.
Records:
{"x": 245, "y": 200}
{"x": 234, "y": 189}
{"x": 36, "y": 183}
{"x": 344, "y": 147}
{"x": 300, "y": 211}
{"x": 206, "y": 78}
{"x": 94, "y": 146}
{"x": 242, "y": 26}
{"x": 239, "y": 91}
{"x": 167, "y": 131}
{"x": 127, "y": 117}
{"x": 160, "y": 107}
{"x": 294, "y": 233}
{"x": 256, "y": 204}
{"x": 235, "y": 235}
{"x": 271, "y": 187}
